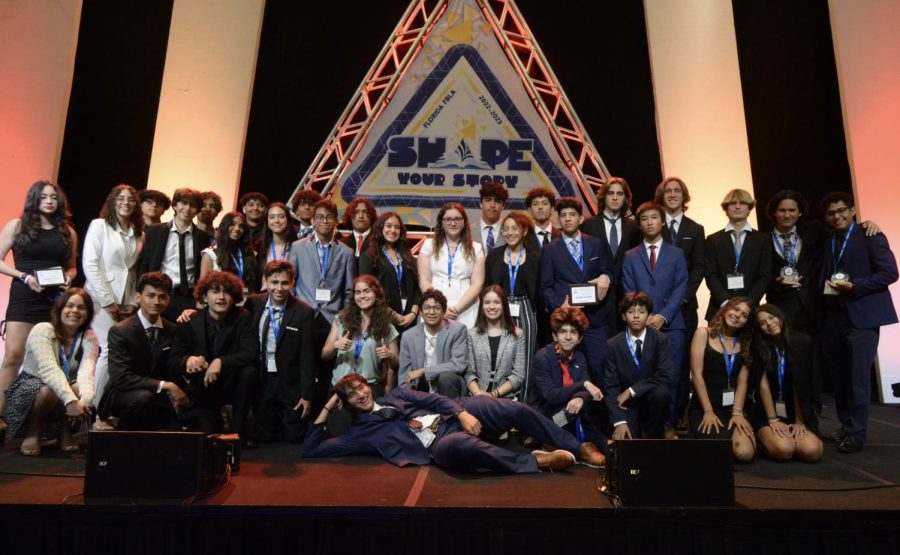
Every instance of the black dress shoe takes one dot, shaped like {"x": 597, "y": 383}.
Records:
{"x": 837, "y": 436}
{"x": 849, "y": 445}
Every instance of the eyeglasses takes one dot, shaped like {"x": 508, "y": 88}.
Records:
{"x": 324, "y": 218}
{"x": 514, "y": 229}
{"x": 453, "y": 220}
{"x": 837, "y": 212}
{"x": 432, "y": 308}
{"x": 126, "y": 200}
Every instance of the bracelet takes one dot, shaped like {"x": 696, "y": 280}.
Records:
{"x": 737, "y": 413}
{"x": 774, "y": 419}
{"x": 326, "y": 409}
{"x": 24, "y": 277}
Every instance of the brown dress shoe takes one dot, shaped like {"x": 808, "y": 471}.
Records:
{"x": 553, "y": 460}
{"x": 589, "y": 455}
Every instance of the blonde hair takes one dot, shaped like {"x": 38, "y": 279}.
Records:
{"x": 738, "y": 195}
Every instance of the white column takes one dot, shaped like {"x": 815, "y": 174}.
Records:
{"x": 867, "y": 52}
{"x": 204, "y": 104}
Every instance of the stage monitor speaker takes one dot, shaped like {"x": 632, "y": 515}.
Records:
{"x": 152, "y": 465}
{"x": 682, "y": 473}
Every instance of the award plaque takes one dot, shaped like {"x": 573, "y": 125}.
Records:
{"x": 50, "y": 277}
{"x": 840, "y": 276}
{"x": 583, "y": 294}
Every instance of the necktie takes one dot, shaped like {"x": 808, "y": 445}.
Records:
{"x": 359, "y": 242}
{"x": 388, "y": 412}
{"x": 613, "y": 233}
{"x": 305, "y": 232}
{"x": 788, "y": 240}
{"x": 637, "y": 348}
{"x": 567, "y": 380}
{"x": 182, "y": 265}
{"x": 151, "y": 335}
{"x": 652, "y": 257}
{"x": 738, "y": 240}
{"x": 489, "y": 242}
{"x": 575, "y": 250}
{"x": 545, "y": 239}
{"x": 673, "y": 230}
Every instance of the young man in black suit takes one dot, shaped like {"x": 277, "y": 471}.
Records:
{"x": 689, "y": 236}
{"x": 738, "y": 258}
{"x": 638, "y": 371}
{"x": 255, "y": 206}
{"x": 214, "y": 355}
{"x": 286, "y": 356}
{"x": 540, "y": 202}
{"x": 619, "y": 232}
{"x": 360, "y": 215}
{"x": 174, "y": 248}
{"x": 138, "y": 392}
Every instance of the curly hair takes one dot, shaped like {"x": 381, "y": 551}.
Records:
{"x": 379, "y": 318}
{"x": 108, "y": 212}
{"x": 465, "y": 236}
{"x": 524, "y": 223}
{"x": 30, "y": 226}
{"x": 540, "y": 192}
{"x": 569, "y": 315}
{"x": 220, "y": 280}
{"x": 350, "y": 211}
{"x": 409, "y": 264}
{"x": 717, "y": 324}
{"x": 227, "y": 249}
{"x": 506, "y": 321}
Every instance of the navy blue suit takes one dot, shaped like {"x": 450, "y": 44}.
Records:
{"x": 667, "y": 285}
{"x": 559, "y": 270}
{"x": 648, "y": 409}
{"x": 850, "y": 326}
{"x": 392, "y": 440}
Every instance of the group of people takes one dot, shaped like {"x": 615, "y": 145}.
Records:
{"x": 573, "y": 334}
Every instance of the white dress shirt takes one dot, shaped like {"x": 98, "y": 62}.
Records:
{"x": 170, "y": 264}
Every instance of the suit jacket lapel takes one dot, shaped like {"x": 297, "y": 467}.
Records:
{"x": 287, "y": 317}
{"x": 501, "y": 350}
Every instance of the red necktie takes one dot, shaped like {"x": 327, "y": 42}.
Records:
{"x": 652, "y": 257}
{"x": 359, "y": 242}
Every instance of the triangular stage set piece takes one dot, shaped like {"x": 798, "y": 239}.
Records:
{"x": 460, "y": 95}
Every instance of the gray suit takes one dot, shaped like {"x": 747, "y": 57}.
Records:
{"x": 510, "y": 361}
{"x": 449, "y": 353}
{"x": 478, "y": 234}
{"x": 338, "y": 275}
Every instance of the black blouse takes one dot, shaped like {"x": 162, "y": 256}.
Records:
{"x": 375, "y": 263}
{"x": 496, "y": 272}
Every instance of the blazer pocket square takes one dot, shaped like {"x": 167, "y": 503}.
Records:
{"x": 290, "y": 328}
{"x": 165, "y": 348}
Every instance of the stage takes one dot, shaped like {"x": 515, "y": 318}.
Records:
{"x": 280, "y": 502}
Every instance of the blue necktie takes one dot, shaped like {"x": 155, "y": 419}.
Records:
{"x": 673, "y": 230}
{"x": 613, "y": 233}
{"x": 489, "y": 242}
{"x": 575, "y": 250}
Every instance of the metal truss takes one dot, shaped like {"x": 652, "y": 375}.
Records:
{"x": 404, "y": 44}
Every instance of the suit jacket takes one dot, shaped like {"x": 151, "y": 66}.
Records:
{"x": 631, "y": 236}
{"x": 295, "y": 351}
{"x": 666, "y": 284}
{"x": 154, "y": 250}
{"x": 620, "y": 371}
{"x": 133, "y": 364}
{"x": 691, "y": 239}
{"x": 534, "y": 241}
{"x": 755, "y": 265}
{"x": 872, "y": 268}
{"x": 237, "y": 345}
{"x": 450, "y": 351}
{"x": 559, "y": 270}
{"x": 550, "y": 395}
{"x": 800, "y": 304}
{"x": 108, "y": 267}
{"x": 477, "y": 233}
{"x": 349, "y": 239}
{"x": 376, "y": 264}
{"x": 376, "y": 436}
{"x": 510, "y": 361}
{"x": 338, "y": 275}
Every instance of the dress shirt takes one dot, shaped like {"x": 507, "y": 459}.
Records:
{"x": 270, "y": 341}
{"x": 302, "y": 231}
{"x": 170, "y": 258}
{"x": 743, "y": 231}
{"x": 608, "y": 225}
{"x": 430, "y": 346}
{"x": 484, "y": 233}
{"x": 779, "y": 243}
{"x": 643, "y": 339}
{"x": 360, "y": 239}
{"x": 145, "y": 323}
{"x": 677, "y": 217}
{"x": 424, "y": 433}
{"x": 657, "y": 244}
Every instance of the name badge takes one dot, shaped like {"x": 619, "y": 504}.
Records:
{"x": 560, "y": 418}
{"x": 735, "y": 281}
{"x": 514, "y": 309}
{"x": 323, "y": 295}
{"x": 728, "y": 398}
{"x": 781, "y": 409}
{"x": 403, "y": 304}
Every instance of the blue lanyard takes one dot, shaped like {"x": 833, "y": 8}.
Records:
{"x": 840, "y": 255}
{"x": 357, "y": 348}
{"x": 398, "y": 268}
{"x": 513, "y": 270}
{"x": 450, "y": 258}
{"x": 780, "y": 246}
{"x": 632, "y": 348}
{"x": 275, "y": 327}
{"x": 284, "y": 251}
{"x": 239, "y": 263}
{"x": 779, "y": 354}
{"x": 66, "y": 359}
{"x": 580, "y": 258}
{"x": 324, "y": 252}
{"x": 729, "y": 359}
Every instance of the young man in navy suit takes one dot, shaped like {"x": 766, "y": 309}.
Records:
{"x": 856, "y": 303}
{"x": 638, "y": 371}
{"x": 409, "y": 427}
{"x": 659, "y": 270}
{"x": 578, "y": 258}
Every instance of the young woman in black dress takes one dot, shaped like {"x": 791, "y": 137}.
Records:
{"x": 42, "y": 238}
{"x": 390, "y": 261}
{"x": 720, "y": 375}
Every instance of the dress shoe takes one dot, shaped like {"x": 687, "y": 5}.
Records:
{"x": 553, "y": 460}
{"x": 849, "y": 445}
{"x": 837, "y": 436}
{"x": 670, "y": 433}
{"x": 589, "y": 455}
{"x": 530, "y": 443}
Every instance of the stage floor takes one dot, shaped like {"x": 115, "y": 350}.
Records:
{"x": 277, "y": 476}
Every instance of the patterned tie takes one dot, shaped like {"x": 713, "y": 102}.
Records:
{"x": 652, "y": 257}
{"x": 788, "y": 240}
{"x": 613, "y": 233}
{"x": 306, "y": 232}
{"x": 673, "y": 230}
{"x": 489, "y": 242}
{"x": 388, "y": 412}
{"x": 575, "y": 250}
